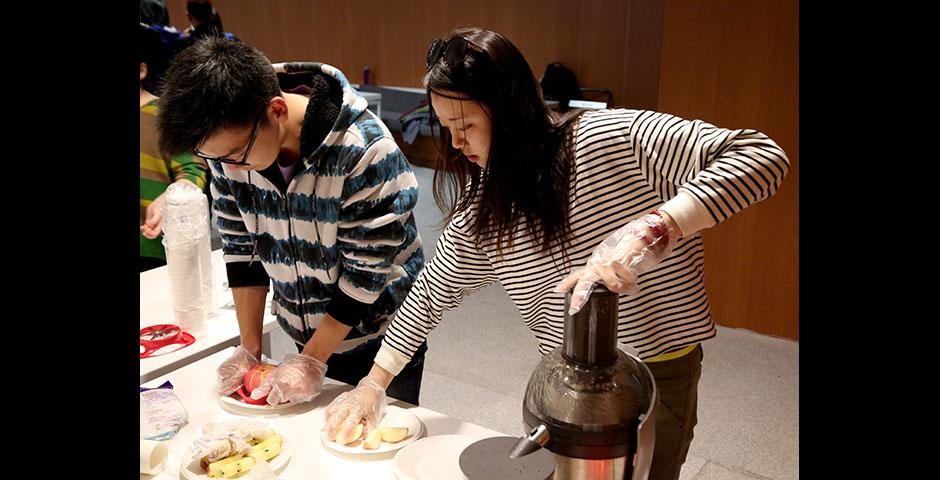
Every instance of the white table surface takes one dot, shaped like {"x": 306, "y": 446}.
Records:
{"x": 300, "y": 425}
{"x": 221, "y": 329}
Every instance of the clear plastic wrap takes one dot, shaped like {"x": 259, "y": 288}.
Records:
{"x": 161, "y": 413}
{"x": 229, "y": 437}
{"x": 188, "y": 249}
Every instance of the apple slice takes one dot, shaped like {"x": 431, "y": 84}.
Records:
{"x": 373, "y": 440}
{"x": 393, "y": 434}
{"x": 357, "y": 432}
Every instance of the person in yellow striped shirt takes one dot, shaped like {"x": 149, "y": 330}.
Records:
{"x": 157, "y": 171}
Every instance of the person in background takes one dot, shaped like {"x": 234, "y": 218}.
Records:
{"x": 154, "y": 12}
{"x": 204, "y": 20}
{"x": 157, "y": 170}
{"x": 623, "y": 194}
{"x": 313, "y": 196}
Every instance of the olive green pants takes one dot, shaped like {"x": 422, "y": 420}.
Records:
{"x": 677, "y": 381}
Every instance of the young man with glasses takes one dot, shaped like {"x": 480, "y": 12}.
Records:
{"x": 313, "y": 196}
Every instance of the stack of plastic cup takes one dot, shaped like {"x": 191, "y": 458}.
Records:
{"x": 186, "y": 240}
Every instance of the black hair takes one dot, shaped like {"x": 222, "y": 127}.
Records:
{"x": 152, "y": 52}
{"x": 203, "y": 12}
{"x": 215, "y": 84}
{"x": 154, "y": 12}
{"x": 527, "y": 174}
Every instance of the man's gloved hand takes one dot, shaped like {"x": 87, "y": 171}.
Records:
{"x": 365, "y": 402}
{"x": 299, "y": 378}
{"x": 635, "y": 248}
{"x": 232, "y": 371}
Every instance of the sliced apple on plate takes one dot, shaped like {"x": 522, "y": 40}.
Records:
{"x": 373, "y": 440}
{"x": 354, "y": 436}
{"x": 393, "y": 434}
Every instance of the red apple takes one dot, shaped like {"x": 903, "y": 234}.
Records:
{"x": 256, "y": 375}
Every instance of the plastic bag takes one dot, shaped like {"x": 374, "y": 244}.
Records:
{"x": 162, "y": 414}
{"x": 229, "y": 437}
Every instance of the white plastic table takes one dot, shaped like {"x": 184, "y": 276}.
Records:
{"x": 300, "y": 425}
{"x": 221, "y": 329}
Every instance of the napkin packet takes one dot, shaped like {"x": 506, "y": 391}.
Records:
{"x": 162, "y": 414}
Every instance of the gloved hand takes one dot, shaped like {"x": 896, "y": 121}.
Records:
{"x": 299, "y": 378}
{"x": 232, "y": 371}
{"x": 635, "y": 248}
{"x": 365, "y": 402}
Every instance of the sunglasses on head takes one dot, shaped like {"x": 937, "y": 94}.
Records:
{"x": 452, "y": 51}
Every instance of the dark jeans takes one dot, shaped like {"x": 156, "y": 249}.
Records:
{"x": 677, "y": 381}
{"x": 349, "y": 367}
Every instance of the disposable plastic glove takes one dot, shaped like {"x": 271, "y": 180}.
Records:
{"x": 365, "y": 402}
{"x": 635, "y": 248}
{"x": 299, "y": 378}
{"x": 232, "y": 371}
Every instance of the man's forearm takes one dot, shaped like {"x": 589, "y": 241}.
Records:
{"x": 329, "y": 334}
{"x": 249, "y": 309}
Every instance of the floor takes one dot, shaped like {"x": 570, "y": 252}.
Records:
{"x": 479, "y": 361}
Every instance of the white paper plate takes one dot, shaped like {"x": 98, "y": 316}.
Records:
{"x": 394, "y": 417}
{"x": 190, "y": 469}
{"x": 235, "y": 405}
{"x": 432, "y": 458}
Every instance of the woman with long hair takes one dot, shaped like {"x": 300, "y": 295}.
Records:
{"x": 546, "y": 203}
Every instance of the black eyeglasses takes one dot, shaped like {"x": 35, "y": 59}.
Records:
{"x": 453, "y": 51}
{"x": 244, "y": 160}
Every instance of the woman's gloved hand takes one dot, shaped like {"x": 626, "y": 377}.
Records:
{"x": 635, "y": 248}
{"x": 365, "y": 402}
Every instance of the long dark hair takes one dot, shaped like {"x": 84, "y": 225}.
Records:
{"x": 527, "y": 175}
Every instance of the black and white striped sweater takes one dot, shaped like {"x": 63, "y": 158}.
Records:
{"x": 628, "y": 162}
{"x": 340, "y": 238}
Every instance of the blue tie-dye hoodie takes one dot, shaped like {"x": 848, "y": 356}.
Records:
{"x": 340, "y": 238}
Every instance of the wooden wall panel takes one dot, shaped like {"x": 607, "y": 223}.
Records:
{"x": 391, "y": 37}
{"x": 735, "y": 64}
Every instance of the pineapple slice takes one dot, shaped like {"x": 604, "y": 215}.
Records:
{"x": 262, "y": 436}
{"x": 215, "y": 468}
{"x": 231, "y": 469}
{"x": 267, "y": 449}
